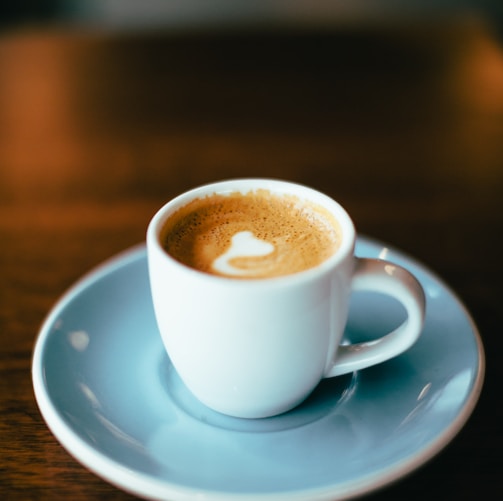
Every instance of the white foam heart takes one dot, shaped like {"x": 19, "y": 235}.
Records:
{"x": 243, "y": 244}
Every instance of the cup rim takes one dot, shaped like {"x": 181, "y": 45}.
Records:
{"x": 245, "y": 185}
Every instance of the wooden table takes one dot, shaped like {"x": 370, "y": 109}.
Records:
{"x": 402, "y": 124}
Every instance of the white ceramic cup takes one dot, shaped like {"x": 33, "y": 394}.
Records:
{"x": 254, "y": 348}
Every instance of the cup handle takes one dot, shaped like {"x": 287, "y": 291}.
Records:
{"x": 382, "y": 276}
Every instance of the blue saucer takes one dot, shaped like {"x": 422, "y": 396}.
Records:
{"x": 110, "y": 395}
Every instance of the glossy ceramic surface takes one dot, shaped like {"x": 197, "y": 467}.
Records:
{"x": 109, "y": 394}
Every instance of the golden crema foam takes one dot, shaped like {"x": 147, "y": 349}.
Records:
{"x": 254, "y": 235}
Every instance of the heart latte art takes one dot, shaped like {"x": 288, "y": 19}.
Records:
{"x": 254, "y": 235}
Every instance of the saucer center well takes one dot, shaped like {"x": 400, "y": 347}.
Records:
{"x": 326, "y": 397}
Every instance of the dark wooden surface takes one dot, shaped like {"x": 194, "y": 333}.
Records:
{"x": 402, "y": 125}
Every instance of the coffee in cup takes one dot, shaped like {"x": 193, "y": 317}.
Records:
{"x": 257, "y": 234}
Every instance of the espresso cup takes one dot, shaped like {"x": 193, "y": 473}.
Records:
{"x": 251, "y": 282}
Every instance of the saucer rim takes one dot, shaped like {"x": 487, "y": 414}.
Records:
{"x": 141, "y": 484}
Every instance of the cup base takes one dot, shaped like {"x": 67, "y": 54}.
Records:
{"x": 321, "y": 402}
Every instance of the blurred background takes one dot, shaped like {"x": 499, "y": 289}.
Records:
{"x": 190, "y": 13}
{"x": 168, "y": 73}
